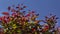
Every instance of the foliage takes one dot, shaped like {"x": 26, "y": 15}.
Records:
{"x": 18, "y": 22}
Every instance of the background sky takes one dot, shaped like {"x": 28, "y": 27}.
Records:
{"x": 43, "y": 7}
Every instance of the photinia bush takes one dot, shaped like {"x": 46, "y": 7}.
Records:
{"x": 18, "y": 22}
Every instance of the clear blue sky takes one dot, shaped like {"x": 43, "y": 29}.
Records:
{"x": 43, "y": 7}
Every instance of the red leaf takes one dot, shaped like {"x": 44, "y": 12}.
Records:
{"x": 14, "y": 14}
{"x": 5, "y": 13}
{"x": 27, "y": 15}
{"x": 3, "y": 17}
{"x": 21, "y": 8}
{"x": 9, "y": 8}
{"x": 13, "y": 10}
{"x": 33, "y": 29}
{"x": 47, "y": 27}
{"x": 8, "y": 20}
{"x": 17, "y": 7}
{"x": 24, "y": 6}
{"x": 46, "y": 16}
{"x": 0, "y": 18}
{"x": 33, "y": 12}
{"x": 5, "y": 21}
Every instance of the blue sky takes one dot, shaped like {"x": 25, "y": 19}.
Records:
{"x": 43, "y": 7}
